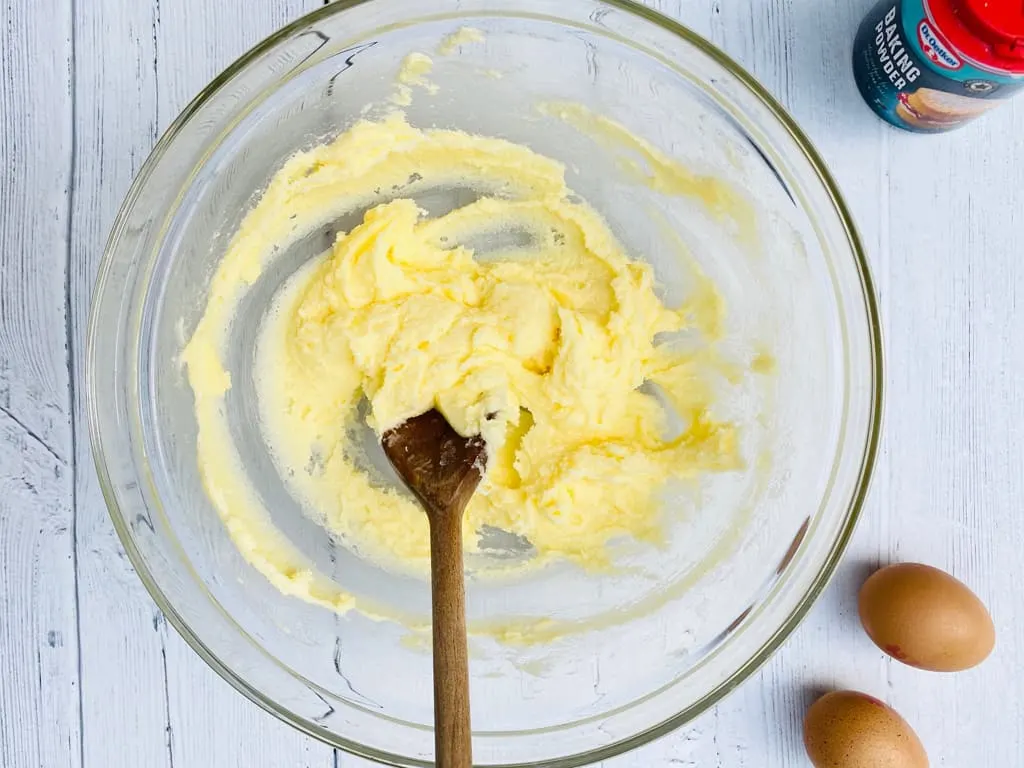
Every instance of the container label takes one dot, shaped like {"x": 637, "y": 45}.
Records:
{"x": 914, "y": 78}
{"x": 935, "y": 48}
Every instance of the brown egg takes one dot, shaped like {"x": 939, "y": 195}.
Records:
{"x": 847, "y": 729}
{"x": 926, "y": 618}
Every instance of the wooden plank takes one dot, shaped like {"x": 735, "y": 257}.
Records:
{"x": 212, "y": 723}
{"x": 39, "y": 709}
{"x": 956, "y": 340}
{"x": 39, "y": 701}
{"x": 123, "y": 681}
{"x": 36, "y": 152}
{"x": 139, "y": 677}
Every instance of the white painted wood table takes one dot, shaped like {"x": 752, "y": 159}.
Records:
{"x": 92, "y": 677}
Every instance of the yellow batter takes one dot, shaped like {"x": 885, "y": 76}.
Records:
{"x": 544, "y": 348}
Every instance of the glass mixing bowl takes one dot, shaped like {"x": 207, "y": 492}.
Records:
{"x": 604, "y": 661}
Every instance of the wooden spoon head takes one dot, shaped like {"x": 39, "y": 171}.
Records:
{"x": 439, "y": 465}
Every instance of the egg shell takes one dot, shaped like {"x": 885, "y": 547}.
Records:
{"x": 926, "y": 618}
{"x": 846, "y": 729}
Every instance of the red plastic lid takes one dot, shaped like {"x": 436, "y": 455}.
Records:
{"x": 989, "y": 32}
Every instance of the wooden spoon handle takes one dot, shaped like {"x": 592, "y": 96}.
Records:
{"x": 452, "y": 739}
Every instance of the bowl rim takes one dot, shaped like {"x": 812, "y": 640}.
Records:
{"x": 737, "y": 677}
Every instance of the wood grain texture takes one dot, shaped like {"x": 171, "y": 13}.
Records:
{"x": 39, "y": 692}
{"x": 941, "y": 218}
{"x": 453, "y": 744}
{"x": 122, "y": 639}
{"x": 39, "y": 715}
{"x": 35, "y": 147}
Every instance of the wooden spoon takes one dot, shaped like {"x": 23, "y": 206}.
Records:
{"x": 443, "y": 469}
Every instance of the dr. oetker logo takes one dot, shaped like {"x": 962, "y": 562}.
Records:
{"x": 935, "y": 48}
